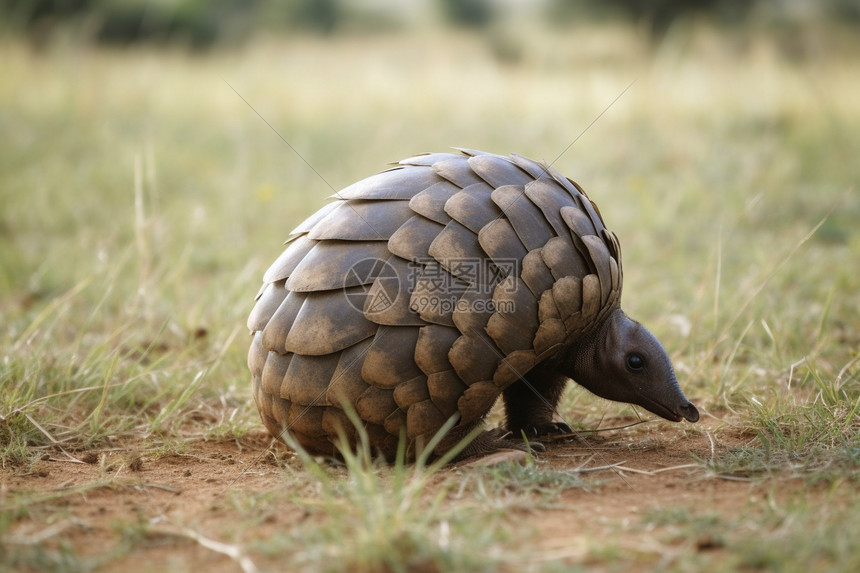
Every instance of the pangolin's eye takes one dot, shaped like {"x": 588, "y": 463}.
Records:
{"x": 635, "y": 362}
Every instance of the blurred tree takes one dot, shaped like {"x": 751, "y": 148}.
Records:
{"x": 32, "y": 10}
{"x": 40, "y": 18}
{"x": 203, "y": 22}
{"x": 845, "y": 10}
{"x": 319, "y": 15}
{"x": 198, "y": 23}
{"x": 467, "y": 13}
{"x": 659, "y": 15}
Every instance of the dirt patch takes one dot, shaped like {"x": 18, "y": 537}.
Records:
{"x": 128, "y": 511}
{"x": 94, "y": 503}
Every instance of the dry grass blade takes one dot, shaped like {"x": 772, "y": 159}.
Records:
{"x": 234, "y": 552}
{"x": 748, "y": 300}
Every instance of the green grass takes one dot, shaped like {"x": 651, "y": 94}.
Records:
{"x": 142, "y": 200}
{"x": 817, "y": 442}
{"x": 794, "y": 536}
{"x": 370, "y": 517}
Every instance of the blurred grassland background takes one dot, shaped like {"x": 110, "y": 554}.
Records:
{"x": 142, "y": 199}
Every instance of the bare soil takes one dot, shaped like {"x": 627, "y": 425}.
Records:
{"x": 90, "y": 502}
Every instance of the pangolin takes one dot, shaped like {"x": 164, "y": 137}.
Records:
{"x": 428, "y": 290}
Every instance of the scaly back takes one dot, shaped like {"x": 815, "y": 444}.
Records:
{"x": 424, "y": 291}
